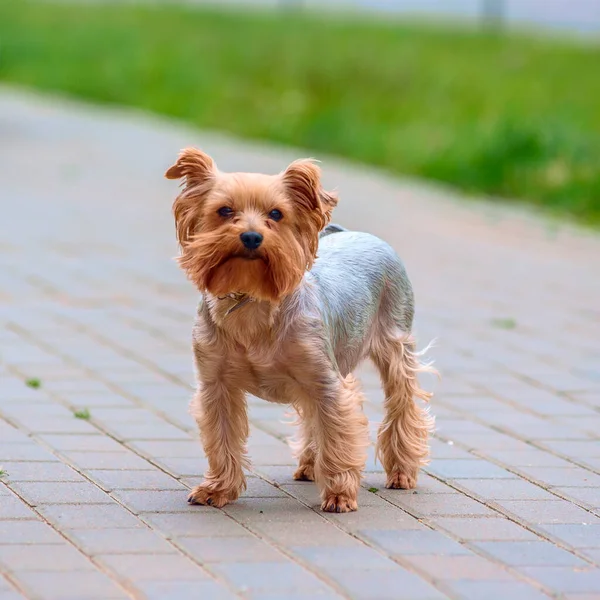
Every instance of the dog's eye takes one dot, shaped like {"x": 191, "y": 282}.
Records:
{"x": 275, "y": 215}
{"x": 225, "y": 211}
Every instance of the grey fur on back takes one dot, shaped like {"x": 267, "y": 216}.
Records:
{"x": 363, "y": 291}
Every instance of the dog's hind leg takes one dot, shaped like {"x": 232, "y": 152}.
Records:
{"x": 402, "y": 441}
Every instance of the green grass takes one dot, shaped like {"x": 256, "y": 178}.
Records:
{"x": 504, "y": 115}
{"x": 33, "y": 383}
{"x": 503, "y": 323}
{"x": 373, "y": 490}
{"x": 3, "y": 473}
{"x": 82, "y": 413}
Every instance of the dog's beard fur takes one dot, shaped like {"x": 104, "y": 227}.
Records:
{"x": 212, "y": 254}
{"x": 215, "y": 263}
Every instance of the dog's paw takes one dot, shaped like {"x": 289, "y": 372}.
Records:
{"x": 305, "y": 472}
{"x": 401, "y": 480}
{"x": 203, "y": 494}
{"x": 339, "y": 503}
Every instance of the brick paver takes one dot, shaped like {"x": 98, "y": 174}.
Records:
{"x": 97, "y": 459}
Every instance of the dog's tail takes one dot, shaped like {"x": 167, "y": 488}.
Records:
{"x": 332, "y": 228}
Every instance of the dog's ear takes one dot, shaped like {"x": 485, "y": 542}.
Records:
{"x": 302, "y": 180}
{"x": 200, "y": 172}
{"x": 194, "y": 165}
{"x": 302, "y": 183}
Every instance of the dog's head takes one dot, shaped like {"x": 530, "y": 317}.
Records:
{"x": 247, "y": 232}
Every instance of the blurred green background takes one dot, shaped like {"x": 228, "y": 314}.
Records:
{"x": 493, "y": 113}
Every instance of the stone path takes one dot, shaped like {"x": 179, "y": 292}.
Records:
{"x": 97, "y": 460}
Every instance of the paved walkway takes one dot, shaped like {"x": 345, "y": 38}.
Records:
{"x": 97, "y": 460}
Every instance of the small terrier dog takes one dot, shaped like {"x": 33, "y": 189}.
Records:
{"x": 278, "y": 322}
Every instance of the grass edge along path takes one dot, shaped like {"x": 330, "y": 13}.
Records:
{"x": 504, "y": 115}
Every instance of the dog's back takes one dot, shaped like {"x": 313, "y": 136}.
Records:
{"x": 362, "y": 286}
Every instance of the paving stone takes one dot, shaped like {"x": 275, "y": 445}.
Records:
{"x": 574, "y": 449}
{"x": 149, "y": 567}
{"x": 230, "y": 549}
{"x": 201, "y": 522}
{"x": 108, "y": 460}
{"x": 120, "y": 541}
{"x": 304, "y": 534}
{"x": 383, "y": 517}
{"x": 44, "y": 557}
{"x": 90, "y": 516}
{"x": 92, "y": 400}
{"x": 169, "y": 449}
{"x": 269, "y": 576}
{"x": 345, "y": 557}
{"x": 110, "y": 416}
{"x": 27, "y": 452}
{"x": 526, "y": 458}
{"x": 154, "y": 429}
{"x": 526, "y": 554}
{"x": 280, "y": 474}
{"x": 560, "y": 477}
{"x": 134, "y": 480}
{"x": 592, "y": 554}
{"x": 62, "y": 492}
{"x": 143, "y": 501}
{"x": 11, "y": 435}
{"x": 83, "y": 384}
{"x": 320, "y": 595}
{"x": 566, "y": 579}
{"x": 183, "y": 467}
{"x": 12, "y": 507}
{"x": 365, "y": 584}
{"x": 256, "y": 510}
{"x": 484, "y": 528}
{"x": 175, "y": 590}
{"x": 264, "y": 455}
{"x": 82, "y": 443}
{"x": 40, "y": 471}
{"x": 409, "y": 542}
{"x": 576, "y": 535}
{"x": 504, "y": 489}
{"x": 548, "y": 511}
{"x": 10, "y": 594}
{"x": 468, "y": 469}
{"x": 452, "y": 568}
{"x": 496, "y": 590}
{"x": 28, "y": 532}
{"x": 86, "y": 585}
{"x": 59, "y": 424}
{"x": 439, "y": 504}
{"x": 259, "y": 488}
{"x": 588, "y": 496}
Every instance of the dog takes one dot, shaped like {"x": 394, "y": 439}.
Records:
{"x": 290, "y": 305}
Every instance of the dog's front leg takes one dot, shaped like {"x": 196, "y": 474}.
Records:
{"x": 222, "y": 417}
{"x": 341, "y": 438}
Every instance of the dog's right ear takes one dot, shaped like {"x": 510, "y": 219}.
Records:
{"x": 192, "y": 164}
{"x": 199, "y": 172}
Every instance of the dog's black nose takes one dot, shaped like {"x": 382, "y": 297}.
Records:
{"x": 251, "y": 239}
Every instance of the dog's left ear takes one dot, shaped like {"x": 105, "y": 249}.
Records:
{"x": 302, "y": 180}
